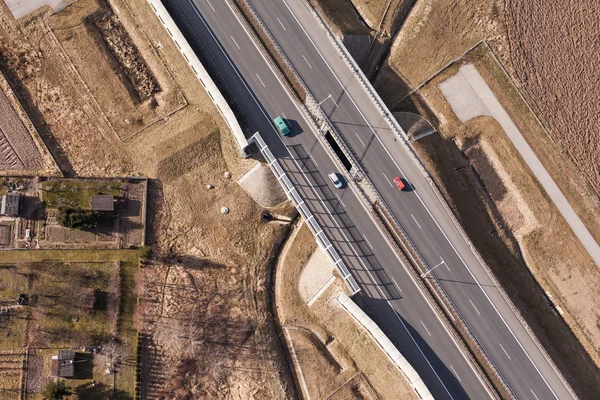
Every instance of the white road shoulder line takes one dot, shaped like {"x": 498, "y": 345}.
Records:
{"x": 429, "y": 212}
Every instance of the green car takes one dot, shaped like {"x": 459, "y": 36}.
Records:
{"x": 282, "y": 126}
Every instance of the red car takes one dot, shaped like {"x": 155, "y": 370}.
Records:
{"x": 399, "y": 184}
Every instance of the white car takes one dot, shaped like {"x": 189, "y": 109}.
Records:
{"x": 337, "y": 181}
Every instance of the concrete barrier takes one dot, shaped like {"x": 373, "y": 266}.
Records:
{"x": 387, "y": 346}
{"x": 201, "y": 73}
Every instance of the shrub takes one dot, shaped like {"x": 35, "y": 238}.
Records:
{"x": 78, "y": 218}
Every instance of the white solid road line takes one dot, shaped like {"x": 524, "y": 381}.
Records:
{"x": 235, "y": 42}
{"x": 282, "y": 24}
{"x": 367, "y": 240}
{"x": 417, "y": 222}
{"x": 388, "y": 242}
{"x": 210, "y": 5}
{"x": 504, "y": 351}
{"x": 338, "y": 197}
{"x": 455, "y": 374}
{"x": 261, "y": 81}
{"x": 425, "y": 328}
{"x": 397, "y": 287}
{"x": 475, "y": 307}
{"x": 364, "y": 207}
{"x": 429, "y": 212}
{"x": 363, "y": 143}
{"x": 307, "y": 61}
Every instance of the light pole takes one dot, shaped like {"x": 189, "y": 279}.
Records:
{"x": 323, "y": 101}
{"x": 431, "y": 269}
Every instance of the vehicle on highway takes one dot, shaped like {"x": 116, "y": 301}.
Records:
{"x": 399, "y": 184}
{"x": 282, "y": 126}
{"x": 337, "y": 181}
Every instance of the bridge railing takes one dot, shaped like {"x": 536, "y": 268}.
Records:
{"x": 292, "y": 193}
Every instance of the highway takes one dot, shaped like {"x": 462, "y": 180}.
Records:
{"x": 400, "y": 307}
{"x": 505, "y": 340}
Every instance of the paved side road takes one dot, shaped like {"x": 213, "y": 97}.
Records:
{"x": 491, "y": 106}
{"x": 490, "y": 317}
{"x": 411, "y": 323}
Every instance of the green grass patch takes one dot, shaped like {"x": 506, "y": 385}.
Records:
{"x": 76, "y": 194}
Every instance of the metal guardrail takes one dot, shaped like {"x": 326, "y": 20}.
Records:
{"x": 291, "y": 192}
{"x": 406, "y": 141}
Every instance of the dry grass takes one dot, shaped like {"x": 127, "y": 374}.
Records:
{"x": 435, "y": 33}
{"x": 529, "y": 229}
{"x": 353, "y": 353}
{"x": 126, "y": 105}
{"x": 228, "y": 255}
{"x": 342, "y": 17}
{"x": 372, "y": 10}
{"x": 21, "y": 148}
{"x": 57, "y": 282}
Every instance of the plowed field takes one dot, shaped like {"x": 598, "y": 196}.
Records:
{"x": 555, "y": 57}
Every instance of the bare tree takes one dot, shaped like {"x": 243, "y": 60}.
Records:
{"x": 180, "y": 337}
{"x": 111, "y": 356}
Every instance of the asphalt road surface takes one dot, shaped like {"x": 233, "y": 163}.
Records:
{"x": 389, "y": 291}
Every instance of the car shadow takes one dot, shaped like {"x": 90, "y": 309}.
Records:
{"x": 295, "y": 128}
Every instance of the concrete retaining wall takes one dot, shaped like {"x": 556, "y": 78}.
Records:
{"x": 201, "y": 74}
{"x": 387, "y": 346}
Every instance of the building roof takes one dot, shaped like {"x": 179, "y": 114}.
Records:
{"x": 103, "y": 202}
{"x": 10, "y": 204}
{"x": 63, "y": 365}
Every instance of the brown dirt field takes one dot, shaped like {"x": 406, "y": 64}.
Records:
{"x": 21, "y": 148}
{"x": 554, "y": 57}
{"x": 528, "y": 230}
{"x": 11, "y": 362}
{"x": 352, "y": 348}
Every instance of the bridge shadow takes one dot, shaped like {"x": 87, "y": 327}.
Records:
{"x": 423, "y": 359}
{"x": 313, "y": 186}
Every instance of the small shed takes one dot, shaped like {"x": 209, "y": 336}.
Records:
{"x": 10, "y": 204}
{"x": 63, "y": 365}
{"x": 103, "y": 202}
